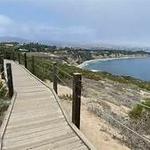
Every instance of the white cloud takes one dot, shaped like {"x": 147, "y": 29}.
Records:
{"x": 5, "y": 24}
{"x": 107, "y": 20}
{"x": 4, "y": 20}
{"x": 39, "y": 31}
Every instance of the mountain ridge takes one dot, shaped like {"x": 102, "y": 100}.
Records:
{"x": 86, "y": 45}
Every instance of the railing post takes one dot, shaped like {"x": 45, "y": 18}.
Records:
{"x": 10, "y": 80}
{"x": 13, "y": 56}
{"x": 25, "y": 60}
{"x": 76, "y": 104}
{"x": 33, "y": 69}
{"x": 19, "y": 58}
{"x": 4, "y": 54}
{"x": 55, "y": 77}
{"x": 2, "y": 67}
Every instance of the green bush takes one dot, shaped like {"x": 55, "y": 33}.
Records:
{"x": 3, "y": 105}
{"x": 140, "y": 110}
{"x": 4, "y": 102}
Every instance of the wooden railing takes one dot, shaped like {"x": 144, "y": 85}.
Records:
{"x": 31, "y": 63}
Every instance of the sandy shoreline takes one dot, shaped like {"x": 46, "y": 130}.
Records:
{"x": 107, "y": 59}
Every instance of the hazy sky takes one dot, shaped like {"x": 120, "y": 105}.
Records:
{"x": 93, "y": 21}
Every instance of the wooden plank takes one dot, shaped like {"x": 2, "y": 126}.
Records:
{"x": 34, "y": 117}
{"x": 38, "y": 134}
{"x": 57, "y": 143}
{"x": 31, "y": 113}
{"x": 75, "y": 144}
{"x": 36, "y": 140}
{"x": 34, "y": 122}
{"x": 49, "y": 125}
{"x": 37, "y": 125}
{"x": 47, "y": 141}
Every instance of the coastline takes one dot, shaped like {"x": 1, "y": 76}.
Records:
{"x": 85, "y": 63}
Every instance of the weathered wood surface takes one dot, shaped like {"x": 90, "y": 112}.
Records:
{"x": 36, "y": 121}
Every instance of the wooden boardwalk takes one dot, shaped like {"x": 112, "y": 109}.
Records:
{"x": 35, "y": 119}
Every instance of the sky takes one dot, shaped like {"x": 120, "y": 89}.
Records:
{"x": 125, "y": 22}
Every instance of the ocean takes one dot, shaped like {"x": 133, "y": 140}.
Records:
{"x": 135, "y": 67}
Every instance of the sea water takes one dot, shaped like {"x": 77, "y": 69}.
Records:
{"x": 134, "y": 67}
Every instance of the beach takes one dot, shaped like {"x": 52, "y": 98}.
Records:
{"x": 84, "y": 64}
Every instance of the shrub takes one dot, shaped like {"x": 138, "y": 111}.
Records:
{"x": 139, "y": 110}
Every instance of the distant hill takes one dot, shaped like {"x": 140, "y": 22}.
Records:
{"x": 22, "y": 40}
{"x": 84, "y": 45}
{"x": 13, "y": 39}
{"x": 57, "y": 43}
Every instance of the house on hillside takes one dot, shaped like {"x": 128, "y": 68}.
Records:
{"x": 23, "y": 50}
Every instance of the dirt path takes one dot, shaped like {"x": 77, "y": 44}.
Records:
{"x": 96, "y": 130}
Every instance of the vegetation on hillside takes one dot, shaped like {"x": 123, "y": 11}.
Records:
{"x": 139, "y": 110}
{"x": 70, "y": 54}
{"x": 4, "y": 101}
{"x": 44, "y": 71}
